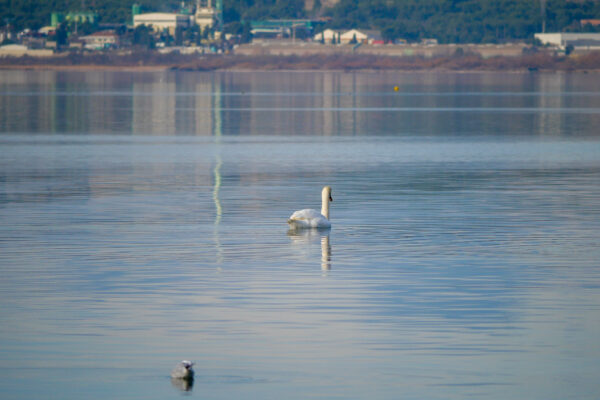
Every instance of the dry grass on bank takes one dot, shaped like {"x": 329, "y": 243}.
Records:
{"x": 344, "y": 62}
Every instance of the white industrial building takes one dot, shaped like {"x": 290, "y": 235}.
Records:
{"x": 579, "y": 41}
{"x": 18, "y": 50}
{"x": 327, "y": 35}
{"x": 347, "y": 36}
{"x": 161, "y": 21}
{"x": 206, "y": 13}
{"x": 361, "y": 36}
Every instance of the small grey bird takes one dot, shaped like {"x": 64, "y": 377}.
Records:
{"x": 183, "y": 370}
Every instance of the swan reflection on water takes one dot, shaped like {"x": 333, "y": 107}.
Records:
{"x": 325, "y": 253}
{"x": 304, "y": 237}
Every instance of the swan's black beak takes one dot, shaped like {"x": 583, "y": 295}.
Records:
{"x": 330, "y": 198}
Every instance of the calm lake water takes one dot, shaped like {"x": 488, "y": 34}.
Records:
{"x": 143, "y": 221}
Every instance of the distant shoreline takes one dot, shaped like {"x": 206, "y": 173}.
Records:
{"x": 84, "y": 67}
{"x": 148, "y": 61}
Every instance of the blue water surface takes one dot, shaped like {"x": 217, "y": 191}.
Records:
{"x": 143, "y": 221}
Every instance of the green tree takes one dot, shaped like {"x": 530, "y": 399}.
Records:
{"x": 143, "y": 37}
{"x": 569, "y": 49}
{"x": 192, "y": 35}
{"x": 246, "y": 33}
{"x": 178, "y": 36}
{"x": 84, "y": 28}
{"x": 241, "y": 29}
{"x": 61, "y": 35}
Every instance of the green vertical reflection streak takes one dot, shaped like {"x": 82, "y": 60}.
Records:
{"x": 216, "y": 188}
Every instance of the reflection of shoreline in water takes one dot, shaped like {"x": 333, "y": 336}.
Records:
{"x": 307, "y": 236}
{"x": 185, "y": 385}
{"x": 218, "y": 208}
{"x": 217, "y": 133}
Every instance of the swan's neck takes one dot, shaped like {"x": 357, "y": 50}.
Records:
{"x": 325, "y": 204}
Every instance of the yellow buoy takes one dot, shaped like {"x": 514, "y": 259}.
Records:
{"x": 396, "y": 88}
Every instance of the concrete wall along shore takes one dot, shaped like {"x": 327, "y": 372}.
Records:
{"x": 17, "y": 50}
{"x": 288, "y": 48}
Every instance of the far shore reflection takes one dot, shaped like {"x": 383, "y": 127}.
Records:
{"x": 200, "y": 104}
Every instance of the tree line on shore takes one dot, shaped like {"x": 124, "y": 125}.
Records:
{"x": 448, "y": 21}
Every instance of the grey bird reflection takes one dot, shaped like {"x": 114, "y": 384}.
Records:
{"x": 303, "y": 238}
{"x": 185, "y": 385}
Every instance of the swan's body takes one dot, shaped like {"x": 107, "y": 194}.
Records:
{"x": 183, "y": 370}
{"x": 309, "y": 218}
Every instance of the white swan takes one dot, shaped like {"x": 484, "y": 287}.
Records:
{"x": 183, "y": 370}
{"x": 309, "y": 218}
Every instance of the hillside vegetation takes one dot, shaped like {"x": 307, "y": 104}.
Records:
{"x": 449, "y": 21}
{"x": 465, "y": 21}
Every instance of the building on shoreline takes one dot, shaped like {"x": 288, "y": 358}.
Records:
{"x": 162, "y": 21}
{"x": 579, "y": 41}
{"x": 283, "y": 28}
{"x": 328, "y": 35}
{"x": 101, "y": 40}
{"x": 206, "y": 14}
{"x": 19, "y": 50}
{"x": 347, "y": 36}
{"x": 361, "y": 36}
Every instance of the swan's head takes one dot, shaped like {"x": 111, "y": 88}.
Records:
{"x": 326, "y": 193}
